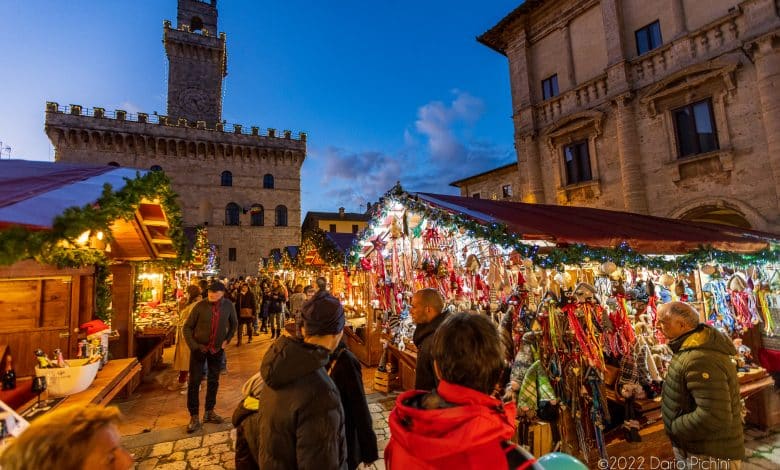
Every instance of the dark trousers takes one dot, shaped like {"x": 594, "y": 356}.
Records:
{"x": 245, "y": 321}
{"x": 197, "y": 360}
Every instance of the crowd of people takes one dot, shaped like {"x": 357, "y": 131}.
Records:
{"x": 306, "y": 407}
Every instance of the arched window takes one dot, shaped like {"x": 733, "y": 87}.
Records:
{"x": 231, "y": 214}
{"x": 281, "y": 216}
{"x": 196, "y": 24}
{"x": 257, "y": 215}
{"x": 156, "y": 168}
{"x": 227, "y": 178}
{"x": 268, "y": 181}
{"x": 113, "y": 164}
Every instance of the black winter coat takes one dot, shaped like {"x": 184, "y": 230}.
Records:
{"x": 358, "y": 427}
{"x": 425, "y": 377}
{"x": 301, "y": 418}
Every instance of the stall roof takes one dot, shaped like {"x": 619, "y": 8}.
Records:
{"x": 602, "y": 228}
{"x": 34, "y": 193}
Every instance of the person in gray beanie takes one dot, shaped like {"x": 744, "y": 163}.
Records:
{"x": 296, "y": 379}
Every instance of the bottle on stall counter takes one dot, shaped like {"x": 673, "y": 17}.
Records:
{"x": 9, "y": 376}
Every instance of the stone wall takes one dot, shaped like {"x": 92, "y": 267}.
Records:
{"x": 194, "y": 159}
{"x": 719, "y": 51}
{"x": 489, "y": 185}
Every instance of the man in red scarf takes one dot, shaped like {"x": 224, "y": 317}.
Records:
{"x": 208, "y": 330}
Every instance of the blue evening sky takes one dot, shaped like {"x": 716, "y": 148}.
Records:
{"x": 387, "y": 90}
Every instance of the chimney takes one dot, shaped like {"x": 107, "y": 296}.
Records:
{"x": 341, "y": 212}
{"x": 368, "y": 207}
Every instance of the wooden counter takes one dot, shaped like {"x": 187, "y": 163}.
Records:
{"x": 109, "y": 382}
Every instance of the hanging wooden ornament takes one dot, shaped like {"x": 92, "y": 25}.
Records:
{"x": 608, "y": 267}
{"x": 708, "y": 269}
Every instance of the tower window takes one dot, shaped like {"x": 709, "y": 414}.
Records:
{"x": 257, "y": 215}
{"x": 227, "y": 178}
{"x": 231, "y": 214}
{"x": 506, "y": 190}
{"x": 232, "y": 254}
{"x": 156, "y": 168}
{"x": 281, "y": 216}
{"x": 475, "y": 195}
{"x": 113, "y": 164}
{"x": 196, "y": 24}
{"x": 268, "y": 181}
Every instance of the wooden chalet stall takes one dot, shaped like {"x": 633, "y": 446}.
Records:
{"x": 324, "y": 254}
{"x": 530, "y": 266}
{"x": 67, "y": 236}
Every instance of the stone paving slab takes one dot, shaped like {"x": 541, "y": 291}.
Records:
{"x": 214, "y": 447}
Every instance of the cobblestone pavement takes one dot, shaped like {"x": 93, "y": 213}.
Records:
{"x": 214, "y": 449}
{"x": 762, "y": 450}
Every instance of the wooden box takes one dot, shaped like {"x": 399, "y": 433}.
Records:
{"x": 382, "y": 382}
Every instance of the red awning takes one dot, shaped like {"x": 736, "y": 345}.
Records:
{"x": 602, "y": 228}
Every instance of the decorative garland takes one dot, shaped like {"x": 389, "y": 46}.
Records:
{"x": 45, "y": 246}
{"x": 622, "y": 255}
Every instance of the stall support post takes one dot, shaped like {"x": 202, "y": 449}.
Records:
{"x": 122, "y": 298}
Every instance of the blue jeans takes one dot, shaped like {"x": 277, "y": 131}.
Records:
{"x": 276, "y": 320}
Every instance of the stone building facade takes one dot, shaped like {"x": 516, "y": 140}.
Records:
{"x": 502, "y": 183}
{"x": 243, "y": 183}
{"x": 669, "y": 107}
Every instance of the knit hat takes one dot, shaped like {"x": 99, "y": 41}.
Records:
{"x": 323, "y": 315}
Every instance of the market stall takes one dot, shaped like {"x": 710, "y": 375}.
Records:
{"x": 574, "y": 292}
{"x": 325, "y": 254}
{"x": 68, "y": 234}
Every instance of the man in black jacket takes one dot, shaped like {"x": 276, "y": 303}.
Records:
{"x": 427, "y": 313}
{"x": 302, "y": 420}
{"x": 346, "y": 372}
{"x": 208, "y": 329}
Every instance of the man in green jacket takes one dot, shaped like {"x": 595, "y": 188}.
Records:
{"x": 700, "y": 404}
{"x": 208, "y": 329}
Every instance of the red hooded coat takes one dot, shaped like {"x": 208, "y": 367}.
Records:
{"x": 464, "y": 431}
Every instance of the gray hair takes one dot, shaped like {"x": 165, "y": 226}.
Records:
{"x": 682, "y": 310}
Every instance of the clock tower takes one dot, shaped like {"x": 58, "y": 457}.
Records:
{"x": 197, "y": 63}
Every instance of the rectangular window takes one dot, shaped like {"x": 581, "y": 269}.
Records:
{"x": 550, "y": 87}
{"x": 475, "y": 195}
{"x": 694, "y": 125}
{"x": 576, "y": 159}
{"x": 231, "y": 254}
{"x": 355, "y": 229}
{"x": 332, "y": 228}
{"x": 648, "y": 38}
{"x": 506, "y": 190}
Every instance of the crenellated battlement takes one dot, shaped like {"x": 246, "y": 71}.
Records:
{"x": 123, "y": 116}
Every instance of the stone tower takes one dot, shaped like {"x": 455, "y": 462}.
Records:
{"x": 244, "y": 183}
{"x": 197, "y": 63}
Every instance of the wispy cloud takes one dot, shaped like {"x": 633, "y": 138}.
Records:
{"x": 438, "y": 148}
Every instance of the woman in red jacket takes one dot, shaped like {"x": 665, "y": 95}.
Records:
{"x": 458, "y": 425}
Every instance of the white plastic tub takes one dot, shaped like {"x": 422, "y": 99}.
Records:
{"x": 61, "y": 382}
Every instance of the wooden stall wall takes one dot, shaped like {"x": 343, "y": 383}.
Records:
{"x": 123, "y": 303}
{"x": 40, "y": 307}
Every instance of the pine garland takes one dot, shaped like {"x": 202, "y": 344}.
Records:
{"x": 556, "y": 257}
{"x": 46, "y": 246}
